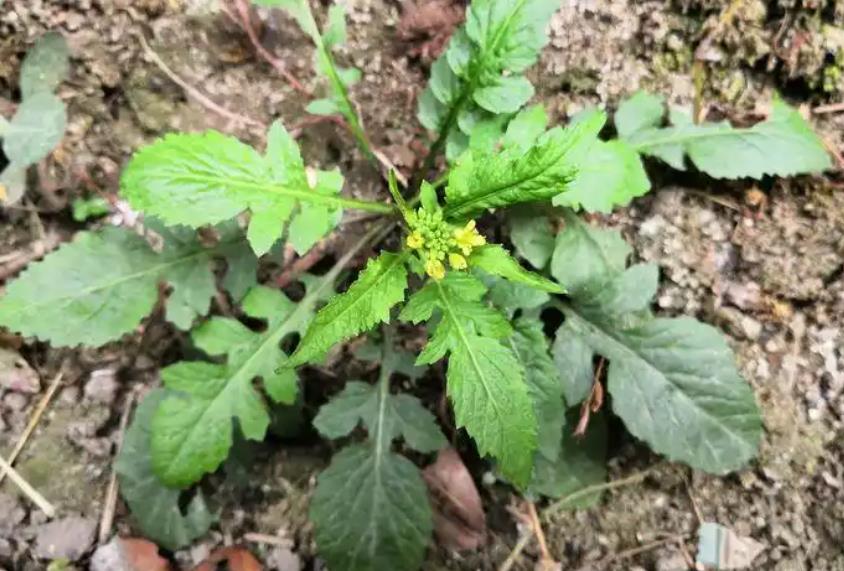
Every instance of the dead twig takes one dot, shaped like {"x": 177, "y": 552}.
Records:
{"x": 244, "y": 20}
{"x": 593, "y": 402}
{"x": 831, "y": 108}
{"x": 632, "y": 552}
{"x": 27, "y": 489}
{"x": 517, "y": 550}
{"x": 589, "y": 490}
{"x": 540, "y": 536}
{"x": 192, "y": 91}
{"x": 266, "y": 539}
{"x": 33, "y": 421}
{"x": 107, "y": 520}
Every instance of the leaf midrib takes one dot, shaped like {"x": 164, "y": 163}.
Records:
{"x": 630, "y": 353}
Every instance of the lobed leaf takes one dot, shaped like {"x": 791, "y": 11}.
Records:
{"x": 155, "y": 507}
{"x": 485, "y": 383}
{"x": 370, "y": 511}
{"x": 100, "y": 286}
{"x": 192, "y": 428}
{"x": 199, "y": 179}
{"x": 482, "y": 180}
{"x": 495, "y": 260}
{"x": 782, "y": 145}
{"x": 368, "y": 301}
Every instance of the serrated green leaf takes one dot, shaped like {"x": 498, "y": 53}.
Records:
{"x": 510, "y": 176}
{"x": 429, "y": 111}
{"x": 368, "y": 301}
{"x": 580, "y": 462}
{"x": 610, "y": 174}
{"x": 675, "y": 384}
{"x": 99, "y": 287}
{"x": 199, "y": 179}
{"x": 495, "y": 260}
{"x": 585, "y": 257}
{"x": 485, "y": 383}
{"x": 192, "y": 429}
{"x": 35, "y": 130}
{"x": 370, "y": 511}
{"x": 45, "y": 66}
{"x": 782, "y": 145}
{"x": 532, "y": 235}
{"x": 155, "y": 507}
{"x": 642, "y": 110}
{"x": 530, "y": 346}
{"x": 388, "y": 522}
{"x": 573, "y": 358}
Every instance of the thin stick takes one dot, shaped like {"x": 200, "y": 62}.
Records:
{"x": 588, "y": 490}
{"x": 111, "y": 492}
{"x": 34, "y": 419}
{"x": 517, "y": 550}
{"x": 29, "y": 491}
{"x": 831, "y": 108}
{"x": 537, "y": 530}
{"x": 242, "y": 7}
{"x": 192, "y": 91}
{"x": 628, "y": 553}
{"x": 266, "y": 539}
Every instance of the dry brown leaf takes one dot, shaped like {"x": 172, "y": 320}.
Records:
{"x": 142, "y": 555}
{"x": 431, "y": 22}
{"x": 459, "y": 520}
{"x": 236, "y": 559}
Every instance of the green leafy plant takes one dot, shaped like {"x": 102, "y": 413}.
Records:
{"x": 515, "y": 391}
{"x": 39, "y": 122}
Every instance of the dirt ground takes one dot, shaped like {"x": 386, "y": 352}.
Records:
{"x": 763, "y": 262}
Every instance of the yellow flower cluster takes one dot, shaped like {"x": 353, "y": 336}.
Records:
{"x": 439, "y": 241}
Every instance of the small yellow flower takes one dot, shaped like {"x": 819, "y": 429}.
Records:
{"x": 435, "y": 269}
{"x": 468, "y": 237}
{"x": 457, "y": 261}
{"x": 415, "y": 240}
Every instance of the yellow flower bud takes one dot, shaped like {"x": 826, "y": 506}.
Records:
{"x": 415, "y": 240}
{"x": 435, "y": 269}
{"x": 457, "y": 261}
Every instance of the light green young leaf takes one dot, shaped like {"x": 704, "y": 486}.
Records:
{"x": 510, "y": 176}
{"x": 370, "y": 511}
{"x": 192, "y": 428}
{"x": 585, "y": 257}
{"x": 86, "y": 208}
{"x": 335, "y": 29}
{"x": 388, "y": 521}
{"x": 35, "y": 130}
{"x": 526, "y": 127}
{"x": 99, "y": 287}
{"x": 610, "y": 174}
{"x": 324, "y": 106}
{"x": 580, "y": 462}
{"x": 12, "y": 183}
{"x": 199, "y": 179}
{"x": 155, "y": 507}
{"x": 495, "y": 260}
{"x": 640, "y": 111}
{"x": 45, "y": 66}
{"x": 481, "y": 67}
{"x": 532, "y": 236}
{"x": 573, "y": 358}
{"x": 380, "y": 286}
{"x": 782, "y": 145}
{"x": 485, "y": 383}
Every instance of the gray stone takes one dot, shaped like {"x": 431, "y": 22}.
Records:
{"x": 102, "y": 386}
{"x": 67, "y": 538}
{"x": 11, "y": 515}
{"x": 673, "y": 561}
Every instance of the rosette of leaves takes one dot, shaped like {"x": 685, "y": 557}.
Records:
{"x": 370, "y": 508}
{"x": 102, "y": 284}
{"x": 479, "y": 79}
{"x": 38, "y": 125}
